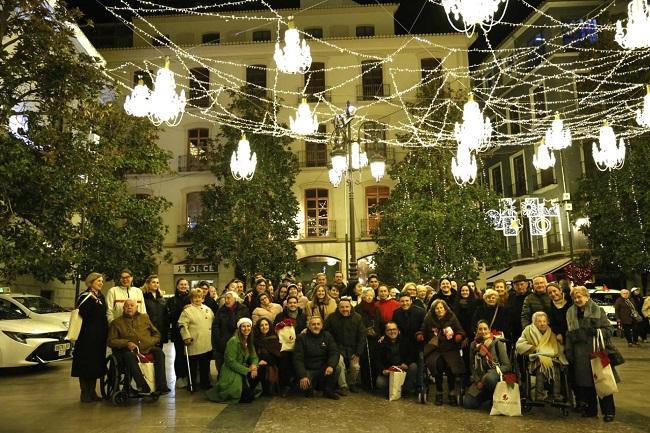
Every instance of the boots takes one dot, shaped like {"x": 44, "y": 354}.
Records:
{"x": 88, "y": 394}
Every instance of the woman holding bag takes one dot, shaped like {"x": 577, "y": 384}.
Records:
{"x": 89, "y": 356}
{"x": 584, "y": 319}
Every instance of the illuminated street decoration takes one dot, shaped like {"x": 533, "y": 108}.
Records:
{"x": 505, "y": 219}
{"x": 539, "y": 215}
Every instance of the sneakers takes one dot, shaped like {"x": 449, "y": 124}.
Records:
{"x": 181, "y": 382}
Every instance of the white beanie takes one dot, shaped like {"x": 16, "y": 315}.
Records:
{"x": 244, "y": 320}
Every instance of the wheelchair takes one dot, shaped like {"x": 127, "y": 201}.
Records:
{"x": 528, "y": 390}
{"x": 425, "y": 379}
{"x": 116, "y": 386}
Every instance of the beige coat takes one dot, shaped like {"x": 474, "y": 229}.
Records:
{"x": 196, "y": 323}
{"x": 312, "y": 309}
{"x": 267, "y": 313}
{"x": 645, "y": 310}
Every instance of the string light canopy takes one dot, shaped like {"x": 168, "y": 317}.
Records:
{"x": 463, "y": 166}
{"x": 242, "y": 163}
{"x": 296, "y": 56}
{"x": 472, "y": 13}
{"x": 609, "y": 156}
{"x": 637, "y": 33}
{"x": 543, "y": 158}
{"x": 557, "y": 136}
{"x": 165, "y": 105}
{"x": 475, "y": 131}
{"x": 137, "y": 104}
{"x": 643, "y": 114}
{"x": 305, "y": 123}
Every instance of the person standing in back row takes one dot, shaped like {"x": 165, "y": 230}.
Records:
{"x": 118, "y": 294}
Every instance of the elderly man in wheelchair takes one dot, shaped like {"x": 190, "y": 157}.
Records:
{"x": 133, "y": 339}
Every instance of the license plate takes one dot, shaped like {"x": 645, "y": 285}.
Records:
{"x": 61, "y": 348}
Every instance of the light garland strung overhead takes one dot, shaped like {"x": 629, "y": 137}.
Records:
{"x": 463, "y": 166}
{"x": 242, "y": 163}
{"x": 305, "y": 123}
{"x": 475, "y": 131}
{"x": 296, "y": 56}
{"x": 165, "y": 105}
{"x": 637, "y": 34}
{"x": 543, "y": 158}
{"x": 609, "y": 156}
{"x": 643, "y": 114}
{"x": 557, "y": 136}
{"x": 473, "y": 13}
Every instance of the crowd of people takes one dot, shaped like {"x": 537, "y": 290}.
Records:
{"x": 339, "y": 338}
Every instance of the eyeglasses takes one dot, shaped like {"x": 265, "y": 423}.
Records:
{"x": 391, "y": 330}
{"x": 125, "y": 277}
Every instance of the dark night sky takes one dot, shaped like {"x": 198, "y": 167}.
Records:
{"x": 413, "y": 16}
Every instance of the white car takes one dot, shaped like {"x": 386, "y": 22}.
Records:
{"x": 26, "y": 341}
{"x": 606, "y": 299}
{"x": 37, "y": 307}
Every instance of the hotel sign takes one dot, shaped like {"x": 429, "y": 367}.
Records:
{"x": 196, "y": 268}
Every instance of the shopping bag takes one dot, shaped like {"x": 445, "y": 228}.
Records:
{"x": 74, "y": 326}
{"x": 601, "y": 369}
{"x": 506, "y": 399}
{"x": 396, "y": 379}
{"x": 149, "y": 373}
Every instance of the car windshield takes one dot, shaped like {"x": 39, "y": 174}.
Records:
{"x": 39, "y": 304}
{"x": 10, "y": 312}
{"x": 605, "y": 298}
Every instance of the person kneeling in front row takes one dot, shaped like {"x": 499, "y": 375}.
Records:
{"x": 315, "y": 360}
{"x": 132, "y": 335}
{"x": 394, "y": 355}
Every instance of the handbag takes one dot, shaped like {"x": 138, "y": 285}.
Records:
{"x": 635, "y": 314}
{"x": 74, "y": 326}
{"x": 506, "y": 399}
{"x": 396, "y": 379}
{"x": 601, "y": 368}
{"x": 615, "y": 356}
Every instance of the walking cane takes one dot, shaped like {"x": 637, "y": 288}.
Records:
{"x": 189, "y": 372}
{"x": 372, "y": 385}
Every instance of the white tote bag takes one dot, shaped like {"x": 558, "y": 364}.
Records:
{"x": 149, "y": 373}
{"x": 74, "y": 327}
{"x": 601, "y": 369}
{"x": 396, "y": 380}
{"x": 506, "y": 399}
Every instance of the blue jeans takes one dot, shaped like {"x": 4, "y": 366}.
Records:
{"x": 409, "y": 384}
{"x": 485, "y": 395}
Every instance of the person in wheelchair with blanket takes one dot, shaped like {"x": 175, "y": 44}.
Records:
{"x": 133, "y": 339}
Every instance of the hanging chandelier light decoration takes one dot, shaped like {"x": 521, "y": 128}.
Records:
{"x": 637, "y": 33}
{"x": 557, "y": 136}
{"x": 463, "y": 166}
{"x": 543, "y": 158}
{"x": 138, "y": 103}
{"x": 242, "y": 163}
{"x": 165, "y": 105}
{"x": 609, "y": 156}
{"x": 305, "y": 123}
{"x": 472, "y": 13}
{"x": 296, "y": 56}
{"x": 643, "y": 115}
{"x": 475, "y": 131}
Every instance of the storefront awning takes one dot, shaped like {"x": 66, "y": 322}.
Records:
{"x": 530, "y": 270}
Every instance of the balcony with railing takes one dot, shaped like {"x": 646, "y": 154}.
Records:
{"x": 192, "y": 163}
{"x": 313, "y": 158}
{"x": 324, "y": 230}
{"x": 370, "y": 92}
{"x": 369, "y": 226}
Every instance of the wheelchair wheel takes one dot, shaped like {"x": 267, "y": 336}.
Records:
{"x": 526, "y": 407}
{"x": 120, "y": 398}
{"x": 109, "y": 382}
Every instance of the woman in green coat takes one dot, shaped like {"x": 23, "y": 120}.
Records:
{"x": 238, "y": 379}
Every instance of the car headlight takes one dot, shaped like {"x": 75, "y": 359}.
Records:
{"x": 17, "y": 336}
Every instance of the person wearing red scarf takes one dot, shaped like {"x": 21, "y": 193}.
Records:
{"x": 386, "y": 305}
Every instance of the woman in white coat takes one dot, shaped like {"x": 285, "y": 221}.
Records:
{"x": 195, "y": 325}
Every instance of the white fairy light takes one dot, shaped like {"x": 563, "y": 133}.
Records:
{"x": 609, "y": 156}
{"x": 305, "y": 123}
{"x": 543, "y": 158}
{"x": 296, "y": 56}
{"x": 474, "y": 132}
{"x": 165, "y": 105}
{"x": 463, "y": 166}
{"x": 637, "y": 33}
{"x": 557, "y": 136}
{"x": 643, "y": 115}
{"x": 473, "y": 13}
{"x": 137, "y": 103}
{"x": 242, "y": 163}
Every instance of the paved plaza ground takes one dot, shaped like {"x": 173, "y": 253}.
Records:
{"x": 47, "y": 400}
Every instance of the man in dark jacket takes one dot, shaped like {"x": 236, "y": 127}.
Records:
{"x": 515, "y": 303}
{"x": 393, "y": 354}
{"x": 409, "y": 321}
{"x": 225, "y": 324}
{"x": 349, "y": 333}
{"x": 536, "y": 301}
{"x": 315, "y": 359}
{"x": 207, "y": 300}
{"x": 175, "y": 307}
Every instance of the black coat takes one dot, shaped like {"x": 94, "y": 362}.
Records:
{"x": 372, "y": 324}
{"x": 301, "y": 319}
{"x": 557, "y": 318}
{"x": 391, "y": 353}
{"x": 409, "y": 323}
{"x": 348, "y": 332}
{"x": 448, "y": 349}
{"x": 514, "y": 305}
{"x": 89, "y": 356}
{"x": 175, "y": 307}
{"x": 502, "y": 321}
{"x": 314, "y": 352}
{"x": 465, "y": 313}
{"x": 225, "y": 325}
{"x": 450, "y": 299}
{"x": 157, "y": 312}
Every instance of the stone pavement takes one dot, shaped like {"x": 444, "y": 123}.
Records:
{"x": 47, "y": 400}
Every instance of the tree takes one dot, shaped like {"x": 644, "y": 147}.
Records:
{"x": 250, "y": 223}
{"x": 64, "y": 204}
{"x": 429, "y": 226}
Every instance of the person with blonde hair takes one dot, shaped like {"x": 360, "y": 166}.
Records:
{"x": 321, "y": 304}
{"x": 195, "y": 324}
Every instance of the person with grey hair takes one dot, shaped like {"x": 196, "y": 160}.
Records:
{"x": 536, "y": 301}
{"x": 545, "y": 355}
{"x": 348, "y": 331}
{"x": 628, "y": 316}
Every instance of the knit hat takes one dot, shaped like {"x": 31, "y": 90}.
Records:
{"x": 244, "y": 320}
{"x": 519, "y": 277}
